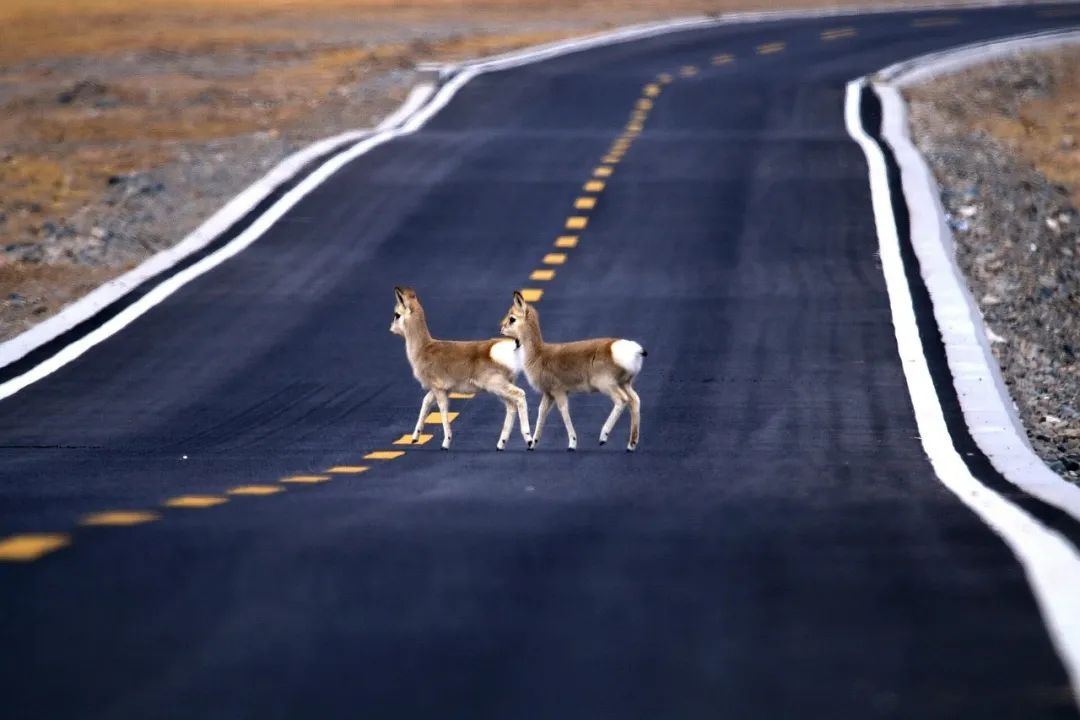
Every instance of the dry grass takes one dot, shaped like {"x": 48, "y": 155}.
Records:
{"x": 1046, "y": 131}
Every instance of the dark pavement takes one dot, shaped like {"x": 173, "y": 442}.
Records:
{"x": 779, "y": 545}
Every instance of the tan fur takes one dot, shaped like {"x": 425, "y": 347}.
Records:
{"x": 445, "y": 366}
{"x": 557, "y": 369}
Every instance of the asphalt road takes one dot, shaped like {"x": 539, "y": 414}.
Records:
{"x": 779, "y": 546}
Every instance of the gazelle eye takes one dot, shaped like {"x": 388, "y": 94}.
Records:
{"x": 513, "y": 320}
{"x": 397, "y": 316}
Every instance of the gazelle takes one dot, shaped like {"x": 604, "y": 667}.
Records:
{"x": 555, "y": 370}
{"x": 445, "y": 366}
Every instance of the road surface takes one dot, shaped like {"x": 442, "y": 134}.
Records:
{"x": 778, "y": 547}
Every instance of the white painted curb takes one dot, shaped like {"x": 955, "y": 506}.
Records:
{"x": 1050, "y": 562}
{"x": 988, "y": 408}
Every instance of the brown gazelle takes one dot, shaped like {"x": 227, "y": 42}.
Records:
{"x": 445, "y": 366}
{"x": 607, "y": 365}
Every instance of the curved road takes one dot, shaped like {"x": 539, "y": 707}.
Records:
{"x": 778, "y": 547}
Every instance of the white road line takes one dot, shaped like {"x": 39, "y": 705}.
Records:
{"x": 1051, "y": 564}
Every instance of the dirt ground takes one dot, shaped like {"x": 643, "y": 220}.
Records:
{"x": 1002, "y": 139}
{"x": 125, "y": 123}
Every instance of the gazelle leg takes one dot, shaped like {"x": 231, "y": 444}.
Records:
{"x": 508, "y": 425}
{"x": 444, "y": 411}
{"x": 522, "y": 402}
{"x": 541, "y": 416}
{"x": 635, "y": 417}
{"x": 425, "y": 406}
{"x": 564, "y": 408}
{"x": 620, "y": 399}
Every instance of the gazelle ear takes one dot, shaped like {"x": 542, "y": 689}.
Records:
{"x": 399, "y": 295}
{"x": 519, "y": 300}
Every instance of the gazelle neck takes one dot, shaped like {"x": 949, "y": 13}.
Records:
{"x": 417, "y": 335}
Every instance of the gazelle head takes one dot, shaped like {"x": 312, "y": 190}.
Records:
{"x": 514, "y": 322}
{"x": 406, "y": 309}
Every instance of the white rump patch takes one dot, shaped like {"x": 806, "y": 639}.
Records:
{"x": 628, "y": 355}
{"x": 507, "y": 354}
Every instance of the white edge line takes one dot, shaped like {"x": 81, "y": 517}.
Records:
{"x": 988, "y": 409}
{"x": 1050, "y": 563}
{"x": 111, "y": 291}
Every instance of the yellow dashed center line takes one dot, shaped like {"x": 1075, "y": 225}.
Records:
{"x": 31, "y": 546}
{"x": 576, "y": 223}
{"x": 307, "y": 479}
{"x": 462, "y": 396}
{"x": 195, "y": 501}
{"x": 555, "y": 258}
{"x": 435, "y": 418}
{"x": 593, "y": 186}
{"x": 602, "y": 172}
{"x": 770, "y": 48}
{"x": 532, "y": 294}
{"x": 388, "y": 454}
{"x": 644, "y": 104}
{"x": 542, "y": 275}
{"x": 120, "y": 518}
{"x": 688, "y": 71}
{"x": 585, "y": 203}
{"x": 724, "y": 59}
{"x": 355, "y": 469}
{"x": 932, "y": 22}
{"x": 838, "y": 33}
{"x": 664, "y": 78}
{"x": 651, "y": 90}
{"x": 255, "y": 490}
{"x": 566, "y": 241}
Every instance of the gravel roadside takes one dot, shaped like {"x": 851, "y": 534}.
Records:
{"x": 1001, "y": 139}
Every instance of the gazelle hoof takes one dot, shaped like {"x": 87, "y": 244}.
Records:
{"x": 603, "y": 442}
{"x": 532, "y": 445}
{"x": 571, "y": 449}
{"x": 631, "y": 448}
{"x": 413, "y": 439}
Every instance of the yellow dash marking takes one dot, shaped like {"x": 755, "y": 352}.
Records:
{"x": 195, "y": 501}
{"x": 931, "y": 22}
{"x": 634, "y": 128}
{"x": 120, "y": 518}
{"x": 688, "y": 71}
{"x": 612, "y": 159}
{"x": 644, "y": 104}
{"x": 305, "y": 479}
{"x": 838, "y": 33}
{"x": 555, "y": 258}
{"x": 462, "y": 396}
{"x": 770, "y": 48}
{"x": 723, "y": 59}
{"x": 532, "y": 294}
{"x": 352, "y": 469}
{"x": 652, "y": 90}
{"x": 542, "y": 275}
{"x": 435, "y": 418}
{"x": 576, "y": 223}
{"x": 566, "y": 241}
{"x": 255, "y": 490}
{"x": 385, "y": 454}
{"x": 664, "y": 78}
{"x": 602, "y": 172}
{"x": 585, "y": 203}
{"x": 406, "y": 439}
{"x": 31, "y": 546}
{"x": 594, "y": 186}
